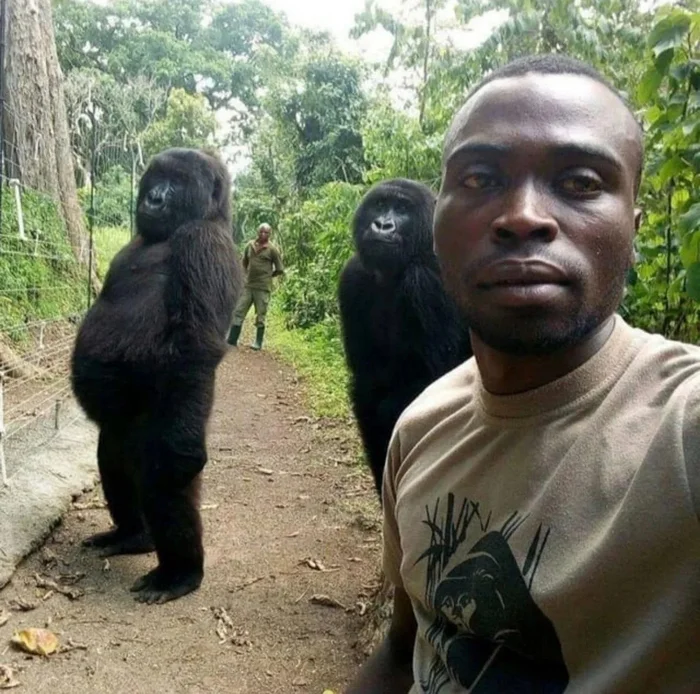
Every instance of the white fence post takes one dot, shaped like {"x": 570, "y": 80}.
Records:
{"x": 14, "y": 183}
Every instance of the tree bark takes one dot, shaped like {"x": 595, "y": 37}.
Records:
{"x": 37, "y": 146}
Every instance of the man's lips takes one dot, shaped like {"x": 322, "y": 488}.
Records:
{"x": 520, "y": 273}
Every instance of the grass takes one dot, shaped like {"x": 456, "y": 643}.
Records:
{"x": 108, "y": 242}
{"x": 316, "y": 355}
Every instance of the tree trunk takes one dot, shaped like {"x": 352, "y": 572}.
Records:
{"x": 37, "y": 146}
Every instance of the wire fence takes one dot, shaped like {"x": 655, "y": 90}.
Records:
{"x": 47, "y": 280}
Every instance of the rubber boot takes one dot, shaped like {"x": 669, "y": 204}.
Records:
{"x": 258, "y": 338}
{"x": 233, "y": 335}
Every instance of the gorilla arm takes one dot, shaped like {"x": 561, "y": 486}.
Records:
{"x": 439, "y": 337}
{"x": 389, "y": 668}
{"x": 204, "y": 282}
{"x": 355, "y": 296}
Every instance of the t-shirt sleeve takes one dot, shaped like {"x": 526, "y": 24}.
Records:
{"x": 392, "y": 553}
{"x": 691, "y": 445}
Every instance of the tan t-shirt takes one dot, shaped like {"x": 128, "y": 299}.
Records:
{"x": 550, "y": 540}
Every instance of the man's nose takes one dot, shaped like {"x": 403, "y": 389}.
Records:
{"x": 525, "y": 216}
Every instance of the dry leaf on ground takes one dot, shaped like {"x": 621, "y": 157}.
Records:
{"x": 36, "y": 641}
{"x": 22, "y": 605}
{"x": 7, "y": 678}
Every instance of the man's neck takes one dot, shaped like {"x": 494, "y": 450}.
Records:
{"x": 506, "y": 374}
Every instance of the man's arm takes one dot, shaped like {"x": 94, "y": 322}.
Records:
{"x": 246, "y": 256}
{"x": 389, "y": 669}
{"x": 277, "y": 263}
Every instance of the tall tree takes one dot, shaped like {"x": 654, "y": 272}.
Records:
{"x": 37, "y": 143}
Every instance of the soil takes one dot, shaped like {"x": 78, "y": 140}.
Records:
{"x": 292, "y": 539}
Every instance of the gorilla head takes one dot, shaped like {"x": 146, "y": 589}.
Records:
{"x": 181, "y": 185}
{"x": 393, "y": 225}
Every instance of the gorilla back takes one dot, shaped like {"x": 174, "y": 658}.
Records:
{"x": 145, "y": 359}
{"x": 400, "y": 329}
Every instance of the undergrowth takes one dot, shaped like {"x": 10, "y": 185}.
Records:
{"x": 108, "y": 242}
{"x": 40, "y": 277}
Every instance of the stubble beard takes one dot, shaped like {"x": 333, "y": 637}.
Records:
{"x": 538, "y": 332}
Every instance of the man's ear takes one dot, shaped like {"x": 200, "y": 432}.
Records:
{"x": 637, "y": 219}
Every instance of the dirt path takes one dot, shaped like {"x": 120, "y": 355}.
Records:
{"x": 278, "y": 490}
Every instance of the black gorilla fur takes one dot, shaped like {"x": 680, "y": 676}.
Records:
{"x": 400, "y": 329}
{"x": 144, "y": 365}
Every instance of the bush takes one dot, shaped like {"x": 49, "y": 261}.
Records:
{"x": 317, "y": 242}
{"x": 112, "y": 198}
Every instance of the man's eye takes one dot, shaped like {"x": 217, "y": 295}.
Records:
{"x": 480, "y": 181}
{"x": 580, "y": 185}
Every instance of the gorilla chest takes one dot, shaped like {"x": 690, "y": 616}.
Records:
{"x": 389, "y": 324}
{"x": 140, "y": 274}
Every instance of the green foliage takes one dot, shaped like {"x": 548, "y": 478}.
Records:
{"x": 395, "y": 147}
{"x": 188, "y": 122}
{"x": 108, "y": 241}
{"x": 316, "y": 243}
{"x": 40, "y": 278}
{"x": 665, "y": 285}
{"x": 112, "y": 198}
{"x": 188, "y": 44}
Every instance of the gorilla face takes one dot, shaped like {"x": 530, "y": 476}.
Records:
{"x": 179, "y": 186}
{"x": 393, "y": 224}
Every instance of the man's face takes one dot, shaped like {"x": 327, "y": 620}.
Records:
{"x": 263, "y": 234}
{"x": 535, "y": 218}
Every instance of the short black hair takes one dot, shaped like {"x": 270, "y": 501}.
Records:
{"x": 548, "y": 64}
{"x": 559, "y": 64}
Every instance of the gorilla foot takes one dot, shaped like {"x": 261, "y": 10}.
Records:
{"x": 159, "y": 586}
{"x": 116, "y": 541}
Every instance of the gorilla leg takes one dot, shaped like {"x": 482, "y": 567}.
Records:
{"x": 376, "y": 443}
{"x": 375, "y": 440}
{"x": 176, "y": 527}
{"x": 120, "y": 485}
{"x": 173, "y": 457}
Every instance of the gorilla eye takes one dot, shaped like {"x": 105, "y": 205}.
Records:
{"x": 480, "y": 181}
{"x": 580, "y": 185}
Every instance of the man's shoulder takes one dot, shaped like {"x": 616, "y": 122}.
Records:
{"x": 662, "y": 362}
{"x": 450, "y": 392}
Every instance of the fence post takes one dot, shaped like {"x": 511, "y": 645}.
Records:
{"x": 14, "y": 183}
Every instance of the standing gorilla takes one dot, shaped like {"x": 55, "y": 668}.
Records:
{"x": 400, "y": 330}
{"x": 144, "y": 365}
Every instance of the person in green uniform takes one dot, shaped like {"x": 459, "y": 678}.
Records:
{"x": 261, "y": 261}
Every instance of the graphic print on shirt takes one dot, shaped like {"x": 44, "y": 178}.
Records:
{"x": 490, "y": 636}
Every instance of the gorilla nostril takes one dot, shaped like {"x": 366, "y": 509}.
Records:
{"x": 383, "y": 225}
{"x": 155, "y": 197}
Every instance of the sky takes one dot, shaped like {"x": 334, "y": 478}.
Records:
{"x": 338, "y": 17}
